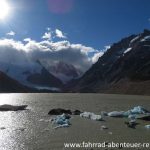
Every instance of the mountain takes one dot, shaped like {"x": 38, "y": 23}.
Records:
{"x": 8, "y": 84}
{"x": 31, "y": 74}
{"x": 63, "y": 71}
{"x": 124, "y": 68}
{"x": 44, "y": 78}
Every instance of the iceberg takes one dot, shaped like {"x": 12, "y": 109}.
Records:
{"x": 139, "y": 110}
{"x": 147, "y": 126}
{"x": 132, "y": 113}
{"x": 116, "y": 114}
{"x": 136, "y": 111}
{"x": 61, "y": 121}
{"x": 91, "y": 116}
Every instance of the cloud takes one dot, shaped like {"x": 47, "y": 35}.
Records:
{"x": 97, "y": 56}
{"x": 27, "y": 40}
{"x": 11, "y": 33}
{"x": 12, "y": 52}
{"x": 60, "y": 34}
{"x": 48, "y": 51}
{"x": 47, "y": 36}
{"x": 75, "y": 54}
{"x": 48, "y": 29}
{"x": 107, "y": 47}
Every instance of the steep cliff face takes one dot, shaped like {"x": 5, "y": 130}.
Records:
{"x": 125, "y": 63}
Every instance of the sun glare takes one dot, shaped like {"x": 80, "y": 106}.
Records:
{"x": 4, "y": 9}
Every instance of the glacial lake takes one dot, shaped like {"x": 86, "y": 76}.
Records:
{"x": 31, "y": 130}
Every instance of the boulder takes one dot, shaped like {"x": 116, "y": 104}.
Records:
{"x": 60, "y": 111}
{"x": 131, "y": 124}
{"x": 145, "y": 117}
{"x": 12, "y": 107}
{"x": 76, "y": 112}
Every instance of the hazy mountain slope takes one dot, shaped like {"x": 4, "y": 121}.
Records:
{"x": 8, "y": 84}
{"x": 44, "y": 78}
{"x": 31, "y": 74}
{"x": 63, "y": 71}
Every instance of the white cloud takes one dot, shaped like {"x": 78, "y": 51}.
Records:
{"x": 19, "y": 52}
{"x": 27, "y": 40}
{"x": 47, "y": 36}
{"x": 97, "y": 56}
{"x": 11, "y": 33}
{"x": 60, "y": 34}
{"x": 107, "y": 47}
{"x": 10, "y": 43}
{"x": 47, "y": 50}
{"x": 48, "y": 29}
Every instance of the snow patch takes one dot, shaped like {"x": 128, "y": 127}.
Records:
{"x": 133, "y": 40}
{"x": 147, "y": 38}
{"x": 127, "y": 50}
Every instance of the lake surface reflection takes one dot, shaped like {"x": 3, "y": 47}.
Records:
{"x": 27, "y": 130}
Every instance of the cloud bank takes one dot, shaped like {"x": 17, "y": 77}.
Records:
{"x": 28, "y": 50}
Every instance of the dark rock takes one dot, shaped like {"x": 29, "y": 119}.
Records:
{"x": 144, "y": 117}
{"x": 12, "y": 108}
{"x": 59, "y": 111}
{"x": 131, "y": 124}
{"x": 2, "y": 128}
{"x": 76, "y": 112}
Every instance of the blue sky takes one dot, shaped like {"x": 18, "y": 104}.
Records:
{"x": 73, "y": 31}
{"x": 94, "y": 23}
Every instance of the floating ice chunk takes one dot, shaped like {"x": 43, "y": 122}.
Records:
{"x": 91, "y": 116}
{"x": 139, "y": 110}
{"x": 43, "y": 120}
{"x": 62, "y": 126}
{"x": 61, "y": 121}
{"x": 116, "y": 114}
{"x": 132, "y": 113}
{"x": 147, "y": 126}
{"x": 104, "y": 127}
